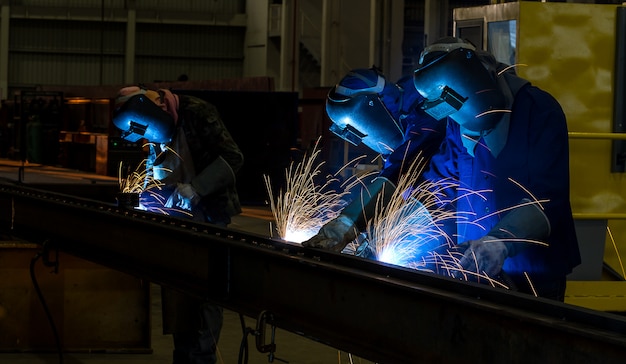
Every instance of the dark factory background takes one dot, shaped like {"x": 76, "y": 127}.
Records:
{"x": 62, "y": 63}
{"x": 267, "y": 65}
{"x": 65, "y": 62}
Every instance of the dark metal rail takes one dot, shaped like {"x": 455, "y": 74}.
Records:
{"x": 376, "y": 311}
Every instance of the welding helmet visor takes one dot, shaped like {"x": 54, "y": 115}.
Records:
{"x": 359, "y": 105}
{"x": 363, "y": 119}
{"x": 139, "y": 117}
{"x": 455, "y": 83}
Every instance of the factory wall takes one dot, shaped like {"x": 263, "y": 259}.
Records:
{"x": 48, "y": 51}
{"x": 166, "y": 51}
{"x": 85, "y": 42}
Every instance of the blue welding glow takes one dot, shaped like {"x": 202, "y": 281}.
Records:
{"x": 346, "y": 120}
{"x": 407, "y": 252}
{"x": 397, "y": 254}
{"x": 299, "y": 235}
{"x": 406, "y": 235}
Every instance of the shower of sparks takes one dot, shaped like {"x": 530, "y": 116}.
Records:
{"x": 511, "y": 66}
{"x": 303, "y": 207}
{"x": 406, "y": 230}
{"x": 137, "y": 181}
{"x": 492, "y": 112}
{"x": 141, "y": 181}
{"x": 499, "y": 110}
{"x": 530, "y": 283}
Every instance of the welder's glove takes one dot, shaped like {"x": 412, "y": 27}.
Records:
{"x": 184, "y": 197}
{"x": 483, "y": 256}
{"x": 334, "y": 235}
{"x": 509, "y": 237}
{"x": 342, "y": 230}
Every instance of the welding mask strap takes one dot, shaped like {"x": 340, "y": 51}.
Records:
{"x": 363, "y": 206}
{"x": 527, "y": 222}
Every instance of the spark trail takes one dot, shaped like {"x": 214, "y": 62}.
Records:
{"x": 303, "y": 207}
{"x": 151, "y": 191}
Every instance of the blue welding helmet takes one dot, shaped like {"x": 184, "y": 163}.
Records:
{"x": 456, "y": 83}
{"x": 357, "y": 108}
{"x": 139, "y": 117}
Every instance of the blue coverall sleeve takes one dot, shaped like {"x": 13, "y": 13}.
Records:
{"x": 445, "y": 163}
{"x": 548, "y": 156}
{"x": 422, "y": 133}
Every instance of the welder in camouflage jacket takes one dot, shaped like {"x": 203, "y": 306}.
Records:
{"x": 194, "y": 159}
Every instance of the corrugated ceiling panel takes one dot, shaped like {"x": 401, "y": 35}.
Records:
{"x": 151, "y": 69}
{"x": 64, "y": 36}
{"x": 190, "y": 41}
{"x": 73, "y": 3}
{"x": 60, "y": 69}
{"x": 225, "y": 7}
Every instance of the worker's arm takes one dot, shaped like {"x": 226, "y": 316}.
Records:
{"x": 339, "y": 232}
{"x": 518, "y": 228}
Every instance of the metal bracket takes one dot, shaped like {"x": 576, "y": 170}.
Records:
{"x": 45, "y": 256}
{"x": 259, "y": 334}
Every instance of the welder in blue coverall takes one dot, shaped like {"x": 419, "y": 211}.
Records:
{"x": 385, "y": 116}
{"x": 507, "y": 140}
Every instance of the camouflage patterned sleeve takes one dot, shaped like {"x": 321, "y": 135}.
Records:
{"x": 207, "y": 136}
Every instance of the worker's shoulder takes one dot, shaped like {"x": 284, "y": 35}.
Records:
{"x": 195, "y": 106}
{"x": 194, "y": 102}
{"x": 537, "y": 97}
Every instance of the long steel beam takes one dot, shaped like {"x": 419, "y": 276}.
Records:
{"x": 378, "y": 312}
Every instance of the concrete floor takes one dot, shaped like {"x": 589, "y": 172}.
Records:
{"x": 291, "y": 348}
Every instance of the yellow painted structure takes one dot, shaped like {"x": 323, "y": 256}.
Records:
{"x": 602, "y": 295}
{"x": 568, "y": 49}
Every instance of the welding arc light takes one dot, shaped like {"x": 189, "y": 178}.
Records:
{"x": 411, "y": 238}
{"x": 140, "y": 117}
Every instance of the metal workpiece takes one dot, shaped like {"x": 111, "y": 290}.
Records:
{"x": 379, "y": 312}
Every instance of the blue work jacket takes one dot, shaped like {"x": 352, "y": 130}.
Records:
{"x": 533, "y": 163}
{"x": 422, "y": 133}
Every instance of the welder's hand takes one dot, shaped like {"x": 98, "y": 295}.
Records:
{"x": 184, "y": 197}
{"x": 483, "y": 256}
{"x": 334, "y": 235}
